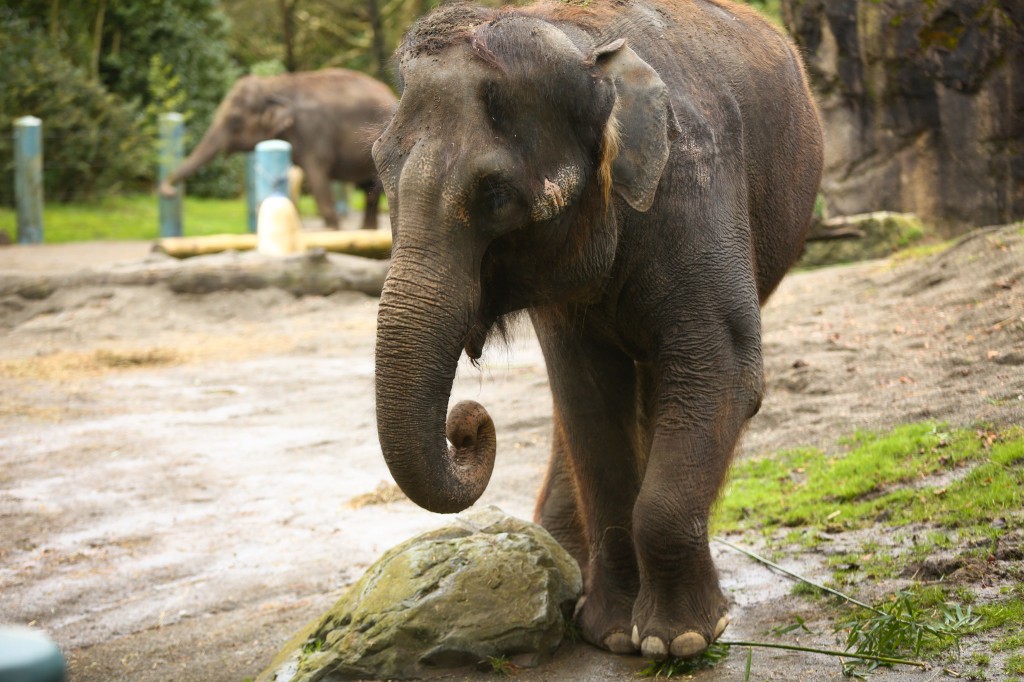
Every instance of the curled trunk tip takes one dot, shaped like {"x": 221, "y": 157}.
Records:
{"x": 457, "y": 478}
{"x": 470, "y": 430}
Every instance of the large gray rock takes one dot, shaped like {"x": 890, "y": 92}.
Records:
{"x": 922, "y": 105}
{"x": 488, "y": 585}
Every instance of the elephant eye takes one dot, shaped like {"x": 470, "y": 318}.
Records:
{"x": 498, "y": 198}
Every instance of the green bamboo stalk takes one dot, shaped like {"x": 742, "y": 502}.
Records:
{"x": 801, "y": 578}
{"x": 828, "y": 652}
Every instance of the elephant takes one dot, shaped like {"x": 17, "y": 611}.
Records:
{"x": 330, "y": 117}
{"x": 636, "y": 176}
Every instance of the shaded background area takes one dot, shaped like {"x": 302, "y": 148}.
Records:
{"x": 922, "y": 105}
{"x": 922, "y": 102}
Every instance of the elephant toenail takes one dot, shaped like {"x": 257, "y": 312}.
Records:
{"x": 723, "y": 623}
{"x": 619, "y": 643}
{"x": 636, "y": 637}
{"x": 579, "y": 606}
{"x": 653, "y": 647}
{"x": 688, "y": 644}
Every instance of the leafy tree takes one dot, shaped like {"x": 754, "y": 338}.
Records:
{"x": 190, "y": 38}
{"x": 92, "y": 141}
{"x": 358, "y": 34}
{"x": 114, "y": 42}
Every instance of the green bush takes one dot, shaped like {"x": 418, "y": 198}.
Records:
{"x": 92, "y": 141}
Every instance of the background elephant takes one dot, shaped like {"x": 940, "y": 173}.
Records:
{"x": 330, "y": 117}
{"x": 638, "y": 176}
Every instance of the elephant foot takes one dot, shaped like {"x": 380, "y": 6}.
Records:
{"x": 683, "y": 632}
{"x": 604, "y": 623}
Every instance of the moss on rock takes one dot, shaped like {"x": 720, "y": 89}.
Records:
{"x": 883, "y": 232}
{"x": 489, "y": 585}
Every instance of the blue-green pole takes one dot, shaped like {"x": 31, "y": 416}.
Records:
{"x": 273, "y": 159}
{"x": 250, "y": 190}
{"x": 172, "y": 151}
{"x": 28, "y": 178}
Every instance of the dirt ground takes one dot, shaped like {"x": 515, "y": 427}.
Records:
{"x": 186, "y": 480}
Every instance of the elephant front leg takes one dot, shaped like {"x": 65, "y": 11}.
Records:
{"x": 680, "y": 608}
{"x": 594, "y": 392}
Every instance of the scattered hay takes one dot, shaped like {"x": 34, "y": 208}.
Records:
{"x": 175, "y": 349}
{"x": 63, "y": 365}
{"x": 384, "y": 493}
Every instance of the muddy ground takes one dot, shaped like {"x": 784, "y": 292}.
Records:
{"x": 185, "y": 480}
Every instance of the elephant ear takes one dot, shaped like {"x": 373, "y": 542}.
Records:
{"x": 276, "y": 117}
{"x": 645, "y": 120}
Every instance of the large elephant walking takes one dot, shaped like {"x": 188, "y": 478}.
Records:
{"x": 330, "y": 117}
{"x": 638, "y": 175}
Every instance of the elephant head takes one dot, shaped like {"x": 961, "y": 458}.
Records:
{"x": 255, "y": 109}
{"x": 500, "y": 167}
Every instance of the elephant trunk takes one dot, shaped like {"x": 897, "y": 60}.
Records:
{"x": 214, "y": 142}
{"x": 422, "y": 326}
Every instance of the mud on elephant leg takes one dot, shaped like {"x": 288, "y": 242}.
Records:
{"x": 594, "y": 394}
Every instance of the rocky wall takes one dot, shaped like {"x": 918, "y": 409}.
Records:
{"x": 922, "y": 103}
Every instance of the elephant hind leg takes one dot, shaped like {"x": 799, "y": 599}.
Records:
{"x": 558, "y": 509}
{"x": 373, "y": 190}
{"x": 320, "y": 187}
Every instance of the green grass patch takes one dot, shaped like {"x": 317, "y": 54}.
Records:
{"x": 136, "y": 217}
{"x": 917, "y": 473}
{"x": 1015, "y": 664}
{"x": 933, "y": 493}
{"x": 919, "y": 251}
{"x": 130, "y": 217}
{"x": 1004, "y": 612}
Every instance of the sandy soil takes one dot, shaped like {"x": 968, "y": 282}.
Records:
{"x": 186, "y": 480}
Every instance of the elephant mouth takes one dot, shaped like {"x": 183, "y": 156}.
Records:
{"x": 486, "y": 326}
{"x": 475, "y": 340}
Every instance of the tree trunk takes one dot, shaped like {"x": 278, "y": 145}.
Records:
{"x": 377, "y": 39}
{"x": 288, "y": 32}
{"x": 97, "y": 40}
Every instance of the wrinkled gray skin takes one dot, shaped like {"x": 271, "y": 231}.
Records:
{"x": 330, "y": 117}
{"x": 645, "y": 293}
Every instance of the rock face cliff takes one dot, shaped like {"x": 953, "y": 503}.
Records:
{"x": 922, "y": 103}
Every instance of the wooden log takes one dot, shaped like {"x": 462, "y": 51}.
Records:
{"x": 313, "y": 273}
{"x": 187, "y": 247}
{"x": 365, "y": 243}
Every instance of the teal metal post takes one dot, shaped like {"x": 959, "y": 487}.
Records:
{"x": 273, "y": 159}
{"x": 172, "y": 151}
{"x": 28, "y": 178}
{"x": 250, "y": 190}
